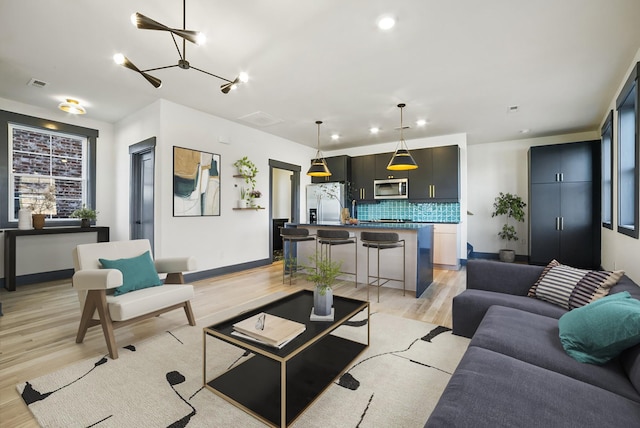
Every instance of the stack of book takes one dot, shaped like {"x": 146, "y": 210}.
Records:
{"x": 268, "y": 329}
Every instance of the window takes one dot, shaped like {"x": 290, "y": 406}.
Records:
{"x": 39, "y": 157}
{"x": 628, "y": 156}
{"x": 607, "y": 172}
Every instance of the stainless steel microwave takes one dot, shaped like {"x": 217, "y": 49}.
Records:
{"x": 393, "y": 188}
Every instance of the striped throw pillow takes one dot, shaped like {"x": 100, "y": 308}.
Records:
{"x": 572, "y": 288}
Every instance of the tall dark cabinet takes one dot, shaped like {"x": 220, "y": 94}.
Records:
{"x": 564, "y": 204}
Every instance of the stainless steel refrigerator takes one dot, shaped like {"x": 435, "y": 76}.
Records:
{"x": 324, "y": 202}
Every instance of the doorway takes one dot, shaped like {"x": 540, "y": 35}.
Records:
{"x": 141, "y": 190}
{"x": 284, "y": 204}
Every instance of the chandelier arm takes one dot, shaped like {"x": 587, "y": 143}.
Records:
{"x": 158, "y": 68}
{"x": 177, "y": 47}
{"x": 211, "y": 74}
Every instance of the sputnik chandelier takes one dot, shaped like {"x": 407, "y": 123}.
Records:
{"x": 145, "y": 23}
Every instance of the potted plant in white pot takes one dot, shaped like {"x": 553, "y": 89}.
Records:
{"x": 323, "y": 274}
{"x": 511, "y": 206}
{"x": 247, "y": 170}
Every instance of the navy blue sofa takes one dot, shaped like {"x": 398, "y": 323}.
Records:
{"x": 516, "y": 373}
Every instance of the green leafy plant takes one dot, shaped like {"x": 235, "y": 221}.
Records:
{"x": 513, "y": 207}
{"x": 248, "y": 170}
{"x": 323, "y": 272}
{"x": 84, "y": 212}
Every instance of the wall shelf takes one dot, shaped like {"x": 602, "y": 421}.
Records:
{"x": 248, "y": 208}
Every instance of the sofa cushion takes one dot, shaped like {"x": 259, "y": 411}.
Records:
{"x": 142, "y": 302}
{"x": 534, "y": 339}
{"x": 571, "y": 288}
{"x": 470, "y": 306}
{"x": 489, "y": 389}
{"x": 137, "y": 272}
{"x": 600, "y": 331}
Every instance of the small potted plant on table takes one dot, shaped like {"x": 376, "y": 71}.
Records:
{"x": 85, "y": 215}
{"x": 323, "y": 275}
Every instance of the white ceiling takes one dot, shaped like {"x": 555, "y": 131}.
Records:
{"x": 459, "y": 64}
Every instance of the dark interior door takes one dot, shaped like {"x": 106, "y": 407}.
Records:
{"x": 142, "y": 185}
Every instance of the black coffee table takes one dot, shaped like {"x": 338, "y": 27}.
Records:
{"x": 277, "y": 385}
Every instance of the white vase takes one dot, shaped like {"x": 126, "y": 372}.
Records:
{"x": 242, "y": 203}
{"x": 322, "y": 303}
{"x": 24, "y": 219}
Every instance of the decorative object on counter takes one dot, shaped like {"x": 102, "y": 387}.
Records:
{"x": 319, "y": 166}
{"x": 323, "y": 274}
{"x": 247, "y": 170}
{"x": 513, "y": 207}
{"x": 196, "y": 183}
{"x": 402, "y": 159}
{"x": 85, "y": 215}
{"x": 24, "y": 219}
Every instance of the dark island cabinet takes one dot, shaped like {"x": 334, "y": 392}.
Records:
{"x": 437, "y": 178}
{"x": 340, "y": 167}
{"x": 362, "y": 176}
{"x": 564, "y": 204}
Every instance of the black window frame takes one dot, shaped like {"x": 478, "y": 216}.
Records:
{"x": 7, "y": 118}
{"x": 606, "y": 135}
{"x": 630, "y": 86}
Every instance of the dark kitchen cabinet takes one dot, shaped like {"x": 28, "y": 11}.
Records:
{"x": 437, "y": 178}
{"x": 382, "y": 173}
{"x": 362, "y": 176}
{"x": 564, "y": 204}
{"x": 340, "y": 167}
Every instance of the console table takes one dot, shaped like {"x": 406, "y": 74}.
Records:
{"x": 10, "y": 246}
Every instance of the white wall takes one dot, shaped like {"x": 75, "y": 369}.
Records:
{"x": 502, "y": 167}
{"x": 41, "y": 253}
{"x": 233, "y": 237}
{"x": 620, "y": 251}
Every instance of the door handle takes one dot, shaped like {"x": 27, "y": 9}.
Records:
{"x": 561, "y": 223}
{"x": 557, "y": 223}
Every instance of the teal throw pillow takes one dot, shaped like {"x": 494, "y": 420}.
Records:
{"x": 137, "y": 272}
{"x": 600, "y": 331}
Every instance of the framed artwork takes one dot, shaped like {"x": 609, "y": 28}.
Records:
{"x": 196, "y": 183}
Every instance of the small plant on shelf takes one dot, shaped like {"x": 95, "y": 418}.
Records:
{"x": 247, "y": 170}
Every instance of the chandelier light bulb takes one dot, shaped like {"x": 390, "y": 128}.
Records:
{"x": 201, "y": 39}
{"x": 118, "y": 59}
{"x": 243, "y": 77}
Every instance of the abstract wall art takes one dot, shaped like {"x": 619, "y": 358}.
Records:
{"x": 196, "y": 183}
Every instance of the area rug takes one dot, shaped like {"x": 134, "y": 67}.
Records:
{"x": 158, "y": 383}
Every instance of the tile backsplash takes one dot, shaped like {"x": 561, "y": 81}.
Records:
{"x": 430, "y": 212}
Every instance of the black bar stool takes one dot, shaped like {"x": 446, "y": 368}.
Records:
{"x": 383, "y": 241}
{"x": 327, "y": 238}
{"x": 292, "y": 235}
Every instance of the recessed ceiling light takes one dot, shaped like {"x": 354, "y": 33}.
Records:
{"x": 335, "y": 136}
{"x": 421, "y": 122}
{"x": 374, "y": 130}
{"x": 72, "y": 106}
{"x": 386, "y": 22}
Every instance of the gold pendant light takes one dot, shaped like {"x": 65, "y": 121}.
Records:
{"x": 319, "y": 166}
{"x": 402, "y": 159}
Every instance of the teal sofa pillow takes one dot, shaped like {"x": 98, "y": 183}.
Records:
{"x": 600, "y": 331}
{"x": 137, "y": 272}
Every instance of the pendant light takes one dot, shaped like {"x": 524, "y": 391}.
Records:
{"x": 319, "y": 166}
{"x": 402, "y": 159}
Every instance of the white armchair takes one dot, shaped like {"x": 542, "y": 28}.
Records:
{"x": 97, "y": 288}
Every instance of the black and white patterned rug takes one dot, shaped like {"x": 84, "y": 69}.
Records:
{"x": 158, "y": 382}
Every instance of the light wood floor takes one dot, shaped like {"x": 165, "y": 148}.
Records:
{"x": 38, "y": 329}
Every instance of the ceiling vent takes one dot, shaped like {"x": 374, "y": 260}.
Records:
{"x": 260, "y": 119}
{"x": 513, "y": 109}
{"x": 37, "y": 83}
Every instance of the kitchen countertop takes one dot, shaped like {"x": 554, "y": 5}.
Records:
{"x": 371, "y": 225}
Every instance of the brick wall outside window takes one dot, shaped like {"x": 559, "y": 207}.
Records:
{"x": 39, "y": 158}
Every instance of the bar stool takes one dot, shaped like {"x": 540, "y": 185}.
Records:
{"x": 292, "y": 235}
{"x": 383, "y": 241}
{"x": 327, "y": 238}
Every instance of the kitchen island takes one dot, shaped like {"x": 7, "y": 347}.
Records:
{"x": 418, "y": 265}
